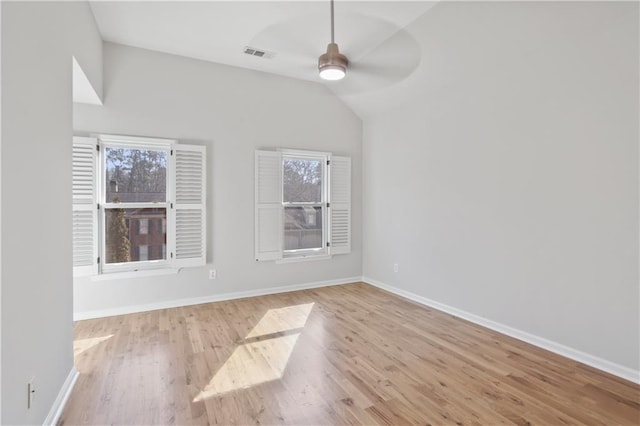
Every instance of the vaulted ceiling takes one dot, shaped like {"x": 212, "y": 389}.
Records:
{"x": 292, "y": 33}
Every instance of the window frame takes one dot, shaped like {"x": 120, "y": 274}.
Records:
{"x": 324, "y": 158}
{"x": 132, "y": 142}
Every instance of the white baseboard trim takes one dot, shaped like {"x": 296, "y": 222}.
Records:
{"x": 78, "y": 316}
{"x": 566, "y": 351}
{"x": 63, "y": 396}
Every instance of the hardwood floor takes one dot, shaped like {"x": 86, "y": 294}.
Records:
{"x": 350, "y": 354}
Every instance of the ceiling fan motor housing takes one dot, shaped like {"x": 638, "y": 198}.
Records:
{"x": 332, "y": 59}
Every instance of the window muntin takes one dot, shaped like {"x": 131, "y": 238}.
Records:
{"x": 134, "y": 193}
{"x": 304, "y": 202}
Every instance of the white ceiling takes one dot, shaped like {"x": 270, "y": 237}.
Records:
{"x": 296, "y": 32}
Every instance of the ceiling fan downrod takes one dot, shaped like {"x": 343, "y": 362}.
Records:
{"x": 332, "y": 65}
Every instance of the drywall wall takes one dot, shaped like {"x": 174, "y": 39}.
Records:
{"x": 507, "y": 186}
{"x": 38, "y": 42}
{"x": 233, "y": 112}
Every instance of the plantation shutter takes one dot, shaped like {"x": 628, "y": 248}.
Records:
{"x": 189, "y": 208}
{"x": 268, "y": 204}
{"x": 340, "y": 205}
{"x": 85, "y": 208}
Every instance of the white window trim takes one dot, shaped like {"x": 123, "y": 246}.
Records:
{"x": 127, "y": 141}
{"x": 117, "y": 141}
{"x": 303, "y": 152}
{"x": 308, "y": 258}
{"x": 135, "y": 274}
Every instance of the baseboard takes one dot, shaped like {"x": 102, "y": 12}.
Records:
{"x": 63, "y": 396}
{"x": 566, "y": 351}
{"x": 78, "y": 316}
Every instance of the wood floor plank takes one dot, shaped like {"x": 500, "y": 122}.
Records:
{"x": 349, "y": 354}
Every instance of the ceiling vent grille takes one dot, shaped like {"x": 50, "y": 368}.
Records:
{"x": 259, "y": 53}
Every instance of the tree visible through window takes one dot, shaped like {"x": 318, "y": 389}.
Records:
{"x": 118, "y": 244}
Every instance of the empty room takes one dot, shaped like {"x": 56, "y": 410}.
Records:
{"x": 320, "y": 212}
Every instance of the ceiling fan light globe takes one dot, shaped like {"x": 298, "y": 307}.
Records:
{"x": 332, "y": 72}
{"x": 333, "y": 64}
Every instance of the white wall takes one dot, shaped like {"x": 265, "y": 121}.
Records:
{"x": 507, "y": 186}
{"x": 233, "y": 112}
{"x": 38, "y": 41}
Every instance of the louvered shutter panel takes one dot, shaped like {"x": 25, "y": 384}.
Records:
{"x": 340, "y": 205}
{"x": 268, "y": 200}
{"x": 85, "y": 211}
{"x": 189, "y": 207}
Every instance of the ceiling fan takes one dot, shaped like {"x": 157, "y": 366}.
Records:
{"x": 377, "y": 52}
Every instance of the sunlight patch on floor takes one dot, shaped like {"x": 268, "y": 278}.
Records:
{"x": 282, "y": 319}
{"x": 250, "y": 365}
{"x": 260, "y": 361}
{"x": 82, "y": 345}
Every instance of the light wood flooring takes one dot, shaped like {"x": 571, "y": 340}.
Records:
{"x": 350, "y": 354}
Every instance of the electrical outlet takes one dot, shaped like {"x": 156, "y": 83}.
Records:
{"x": 31, "y": 393}
{"x": 213, "y": 274}
{"x": 395, "y": 267}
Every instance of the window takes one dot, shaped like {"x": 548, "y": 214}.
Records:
{"x": 136, "y": 183}
{"x": 303, "y": 204}
{"x": 143, "y": 226}
{"x": 143, "y": 252}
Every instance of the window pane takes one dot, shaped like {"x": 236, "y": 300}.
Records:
{"x": 143, "y": 226}
{"x": 135, "y": 175}
{"x": 303, "y": 228}
{"x": 124, "y": 244}
{"x": 143, "y": 253}
{"x": 302, "y": 181}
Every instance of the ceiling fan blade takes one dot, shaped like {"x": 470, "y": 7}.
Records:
{"x": 392, "y": 61}
{"x": 371, "y": 32}
{"x": 302, "y": 37}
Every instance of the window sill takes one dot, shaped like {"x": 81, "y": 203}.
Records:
{"x": 309, "y": 258}
{"x": 135, "y": 274}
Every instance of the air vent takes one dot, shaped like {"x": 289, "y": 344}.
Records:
{"x": 257, "y": 52}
